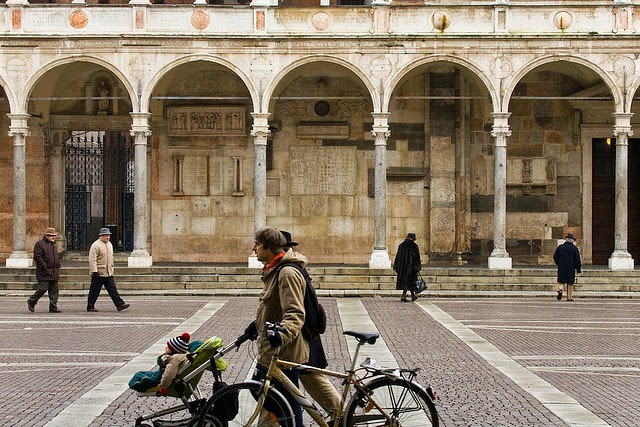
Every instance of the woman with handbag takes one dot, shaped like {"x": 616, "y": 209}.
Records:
{"x": 407, "y": 265}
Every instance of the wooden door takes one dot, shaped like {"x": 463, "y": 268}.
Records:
{"x": 603, "y": 203}
{"x": 603, "y": 199}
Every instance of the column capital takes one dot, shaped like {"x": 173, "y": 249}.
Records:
{"x": 140, "y": 124}
{"x": 622, "y": 124}
{"x": 380, "y": 119}
{"x": 19, "y": 124}
{"x": 260, "y": 130}
{"x": 500, "y": 125}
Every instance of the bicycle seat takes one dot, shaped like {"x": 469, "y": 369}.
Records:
{"x": 368, "y": 337}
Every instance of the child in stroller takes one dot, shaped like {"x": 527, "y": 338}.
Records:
{"x": 181, "y": 367}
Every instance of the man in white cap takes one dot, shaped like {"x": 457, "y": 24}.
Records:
{"x": 101, "y": 270}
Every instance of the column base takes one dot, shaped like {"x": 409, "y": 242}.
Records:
{"x": 140, "y": 258}
{"x": 499, "y": 263}
{"x": 620, "y": 260}
{"x": 19, "y": 260}
{"x": 253, "y": 262}
{"x": 380, "y": 259}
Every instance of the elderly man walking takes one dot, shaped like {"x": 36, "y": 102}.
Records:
{"x": 45, "y": 255}
{"x": 567, "y": 258}
{"x": 101, "y": 269}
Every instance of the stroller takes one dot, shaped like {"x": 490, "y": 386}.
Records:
{"x": 207, "y": 356}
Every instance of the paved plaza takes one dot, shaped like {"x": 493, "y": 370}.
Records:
{"x": 492, "y": 361}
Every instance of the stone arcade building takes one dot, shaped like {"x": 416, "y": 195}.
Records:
{"x": 489, "y": 129}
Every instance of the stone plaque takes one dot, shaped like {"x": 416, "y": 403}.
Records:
{"x": 323, "y": 170}
{"x": 195, "y": 176}
{"x": 322, "y": 130}
{"x": 206, "y": 121}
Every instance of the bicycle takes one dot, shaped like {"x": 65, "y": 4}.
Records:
{"x": 381, "y": 397}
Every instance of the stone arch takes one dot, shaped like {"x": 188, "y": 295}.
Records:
{"x": 400, "y": 74}
{"x": 633, "y": 88}
{"x": 35, "y": 78}
{"x": 11, "y": 98}
{"x": 151, "y": 85}
{"x": 279, "y": 78}
{"x": 531, "y": 66}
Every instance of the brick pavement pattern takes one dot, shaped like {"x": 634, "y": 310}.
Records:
{"x": 588, "y": 350}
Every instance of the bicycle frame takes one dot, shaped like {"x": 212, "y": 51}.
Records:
{"x": 349, "y": 378}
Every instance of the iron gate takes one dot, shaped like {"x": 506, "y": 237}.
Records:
{"x": 99, "y": 183}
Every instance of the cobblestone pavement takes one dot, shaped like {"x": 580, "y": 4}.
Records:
{"x": 493, "y": 362}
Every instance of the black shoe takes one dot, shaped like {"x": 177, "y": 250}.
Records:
{"x": 54, "y": 310}
{"x": 92, "y": 309}
{"x": 32, "y": 307}
{"x": 413, "y": 298}
{"x": 123, "y": 306}
{"x": 559, "y": 297}
{"x": 404, "y": 300}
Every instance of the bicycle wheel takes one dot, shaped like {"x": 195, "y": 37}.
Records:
{"x": 407, "y": 403}
{"x": 276, "y": 410}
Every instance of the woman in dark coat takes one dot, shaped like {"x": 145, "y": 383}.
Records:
{"x": 407, "y": 265}
{"x": 567, "y": 258}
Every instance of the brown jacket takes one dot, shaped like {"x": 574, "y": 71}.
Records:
{"x": 45, "y": 255}
{"x": 283, "y": 302}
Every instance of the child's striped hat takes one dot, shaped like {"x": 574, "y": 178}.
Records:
{"x": 179, "y": 344}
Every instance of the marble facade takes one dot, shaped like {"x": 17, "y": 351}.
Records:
{"x": 470, "y": 125}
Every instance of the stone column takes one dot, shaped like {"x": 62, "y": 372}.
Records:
{"x": 499, "y": 258}
{"x": 380, "y": 255}
{"x": 56, "y": 189}
{"x": 621, "y": 258}
{"x": 19, "y": 130}
{"x": 140, "y": 131}
{"x": 260, "y": 133}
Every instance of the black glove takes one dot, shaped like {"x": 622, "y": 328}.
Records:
{"x": 252, "y": 331}
{"x": 275, "y": 339}
{"x": 95, "y": 275}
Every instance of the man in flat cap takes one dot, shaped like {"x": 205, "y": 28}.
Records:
{"x": 101, "y": 270}
{"x": 45, "y": 255}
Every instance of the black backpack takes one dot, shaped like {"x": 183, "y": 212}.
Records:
{"x": 315, "y": 319}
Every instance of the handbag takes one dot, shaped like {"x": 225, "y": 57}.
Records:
{"x": 419, "y": 285}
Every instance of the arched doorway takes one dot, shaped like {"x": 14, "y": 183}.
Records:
{"x": 99, "y": 188}
{"x": 85, "y": 110}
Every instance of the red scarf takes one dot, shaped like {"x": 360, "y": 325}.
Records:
{"x": 274, "y": 261}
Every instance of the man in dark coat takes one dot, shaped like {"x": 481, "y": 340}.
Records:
{"x": 45, "y": 255}
{"x": 567, "y": 258}
{"x": 407, "y": 265}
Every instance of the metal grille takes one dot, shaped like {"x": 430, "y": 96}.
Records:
{"x": 99, "y": 179}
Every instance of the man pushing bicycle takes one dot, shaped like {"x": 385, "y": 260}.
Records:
{"x": 281, "y": 301}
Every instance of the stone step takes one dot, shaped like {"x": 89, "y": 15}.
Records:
{"x": 327, "y": 278}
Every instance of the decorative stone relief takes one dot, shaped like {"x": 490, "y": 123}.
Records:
{"x": 502, "y": 66}
{"x": 200, "y": 19}
{"x": 441, "y": 20}
{"x": 529, "y": 173}
{"x": 351, "y": 108}
{"x": 78, "y": 19}
{"x": 562, "y": 20}
{"x": 380, "y": 67}
{"x": 320, "y": 21}
{"x": 261, "y": 67}
{"x": 213, "y": 121}
{"x": 16, "y": 69}
{"x": 260, "y": 20}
